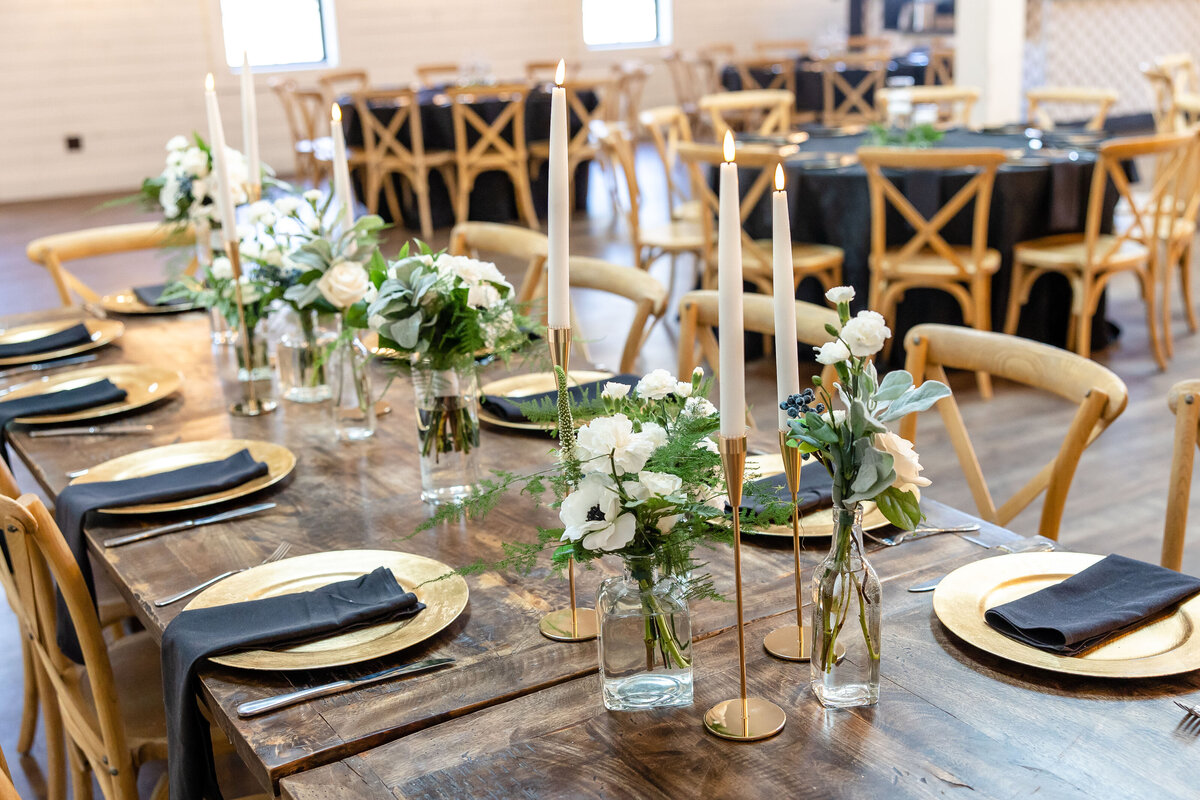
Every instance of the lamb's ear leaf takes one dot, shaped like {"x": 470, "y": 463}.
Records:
{"x": 918, "y": 399}
{"x": 893, "y": 385}
{"x": 902, "y": 509}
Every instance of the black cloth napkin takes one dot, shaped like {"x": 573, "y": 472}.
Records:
{"x": 152, "y": 295}
{"x": 75, "y": 501}
{"x": 509, "y": 408}
{"x": 1110, "y": 597}
{"x": 91, "y": 395}
{"x": 816, "y": 490}
{"x": 271, "y": 622}
{"x": 70, "y": 337}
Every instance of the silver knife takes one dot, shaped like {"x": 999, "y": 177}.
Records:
{"x": 94, "y": 430}
{"x": 927, "y": 586}
{"x": 256, "y": 707}
{"x": 63, "y": 362}
{"x": 141, "y": 536}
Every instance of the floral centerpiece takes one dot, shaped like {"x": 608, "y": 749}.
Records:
{"x": 868, "y": 463}
{"x": 438, "y": 313}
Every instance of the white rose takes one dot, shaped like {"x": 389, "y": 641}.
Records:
{"x": 865, "y": 334}
{"x": 176, "y": 143}
{"x": 593, "y": 513}
{"x": 606, "y": 442}
{"x": 615, "y": 391}
{"x": 683, "y": 389}
{"x": 660, "y": 484}
{"x": 832, "y": 352}
{"x": 313, "y": 196}
{"x": 483, "y": 295}
{"x": 221, "y": 269}
{"x": 655, "y": 386}
{"x": 287, "y": 205}
{"x": 840, "y": 294}
{"x": 344, "y": 284}
{"x": 904, "y": 461}
{"x": 699, "y": 407}
{"x": 195, "y": 162}
{"x": 261, "y": 211}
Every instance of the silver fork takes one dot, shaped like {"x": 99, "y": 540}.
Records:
{"x": 919, "y": 533}
{"x": 1192, "y": 711}
{"x": 280, "y": 552}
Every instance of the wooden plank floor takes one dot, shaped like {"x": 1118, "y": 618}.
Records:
{"x": 1116, "y": 503}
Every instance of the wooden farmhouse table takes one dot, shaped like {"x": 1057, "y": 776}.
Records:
{"x": 520, "y": 715}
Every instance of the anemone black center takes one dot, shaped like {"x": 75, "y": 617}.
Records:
{"x": 595, "y": 514}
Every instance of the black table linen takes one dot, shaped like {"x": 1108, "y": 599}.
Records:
{"x": 75, "y": 501}
{"x": 69, "y": 337}
{"x": 509, "y": 408}
{"x": 270, "y": 622}
{"x": 1110, "y": 597}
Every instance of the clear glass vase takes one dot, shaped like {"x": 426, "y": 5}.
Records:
{"x": 206, "y": 234}
{"x": 645, "y": 639}
{"x": 349, "y": 374}
{"x": 447, "y": 405}
{"x": 846, "y": 611}
{"x": 254, "y": 374}
{"x": 303, "y": 352}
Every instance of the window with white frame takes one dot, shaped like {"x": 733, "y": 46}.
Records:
{"x": 626, "y": 23}
{"x": 278, "y": 33}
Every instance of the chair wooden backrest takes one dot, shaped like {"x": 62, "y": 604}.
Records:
{"x": 1098, "y": 100}
{"x": 881, "y": 44}
{"x": 643, "y": 289}
{"x": 719, "y": 53}
{"x": 789, "y": 48}
{"x": 335, "y": 83}
{"x": 579, "y": 146}
{"x": 620, "y": 147}
{"x": 382, "y": 143}
{"x": 491, "y": 150}
{"x": 954, "y": 103}
{"x": 940, "y": 70}
{"x": 668, "y": 126}
{"x": 53, "y": 251}
{"x": 42, "y": 563}
{"x": 285, "y": 89}
{"x": 543, "y": 71}
{"x": 629, "y": 84}
{"x": 698, "y": 316}
{"x": 767, "y": 73}
{"x": 685, "y": 78}
{"x": 1180, "y": 69}
{"x": 857, "y": 103}
{"x": 927, "y": 232}
{"x": 1100, "y": 395}
{"x": 1187, "y": 111}
{"x": 431, "y": 74}
{"x": 765, "y": 111}
{"x": 480, "y": 239}
{"x": 1162, "y": 95}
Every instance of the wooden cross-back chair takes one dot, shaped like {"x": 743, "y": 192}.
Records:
{"x": 335, "y": 83}
{"x": 761, "y": 111}
{"x": 668, "y": 126}
{"x": 940, "y": 70}
{"x": 307, "y": 114}
{"x": 718, "y": 54}
{"x": 629, "y": 84}
{"x": 881, "y": 44}
{"x": 685, "y": 80}
{"x": 1090, "y": 259}
{"x": 543, "y": 71}
{"x": 1100, "y": 395}
{"x": 432, "y": 74}
{"x": 954, "y": 103}
{"x": 820, "y": 261}
{"x": 1177, "y": 230}
{"x": 766, "y": 73}
{"x": 55, "y": 251}
{"x": 385, "y": 153}
{"x": 491, "y": 151}
{"x": 580, "y": 146}
{"x": 1162, "y": 95}
{"x": 858, "y": 99}
{"x": 1098, "y": 101}
{"x": 788, "y": 48}
{"x": 1184, "y": 402}
{"x": 476, "y": 239}
{"x": 927, "y": 260}
{"x": 1180, "y": 69}
{"x": 699, "y": 315}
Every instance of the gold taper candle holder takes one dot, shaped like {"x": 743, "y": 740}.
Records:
{"x": 251, "y": 405}
{"x": 743, "y": 718}
{"x": 571, "y": 624}
{"x": 792, "y": 642}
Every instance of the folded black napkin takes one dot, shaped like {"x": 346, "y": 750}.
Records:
{"x": 1110, "y": 597}
{"x": 75, "y": 501}
{"x": 90, "y": 395}
{"x": 816, "y": 490}
{"x": 270, "y": 622}
{"x": 509, "y": 408}
{"x": 70, "y": 337}
{"x": 152, "y": 295}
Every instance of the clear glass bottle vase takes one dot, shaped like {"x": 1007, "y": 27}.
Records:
{"x": 303, "y": 355}
{"x": 349, "y": 374}
{"x": 255, "y": 378}
{"x": 846, "y": 612}
{"x": 447, "y": 406}
{"x": 645, "y": 639}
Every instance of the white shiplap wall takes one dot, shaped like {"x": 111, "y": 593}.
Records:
{"x": 127, "y": 74}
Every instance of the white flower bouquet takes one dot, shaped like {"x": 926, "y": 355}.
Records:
{"x": 185, "y": 191}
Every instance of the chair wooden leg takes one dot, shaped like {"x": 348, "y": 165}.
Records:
{"x": 162, "y": 789}
{"x": 1149, "y": 280}
{"x": 1083, "y": 324}
{"x": 81, "y": 775}
{"x": 29, "y": 713}
{"x": 56, "y": 757}
{"x": 371, "y": 188}
{"x": 389, "y": 191}
{"x": 982, "y": 296}
{"x": 1185, "y": 286}
{"x": 1016, "y": 289}
{"x": 462, "y": 203}
{"x": 525, "y": 199}
{"x": 423, "y": 211}
{"x": 1168, "y": 342}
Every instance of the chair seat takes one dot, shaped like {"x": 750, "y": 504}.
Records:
{"x": 137, "y": 674}
{"x": 1068, "y": 252}
{"x": 930, "y": 264}
{"x": 807, "y": 257}
{"x": 433, "y": 158}
{"x": 677, "y": 236}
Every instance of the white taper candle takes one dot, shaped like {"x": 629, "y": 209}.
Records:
{"x": 216, "y": 142}
{"x": 729, "y": 291}
{"x": 558, "y": 280}
{"x": 342, "y": 192}
{"x": 250, "y": 127}
{"x": 787, "y": 365}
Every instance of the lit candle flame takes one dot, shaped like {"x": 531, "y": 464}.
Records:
{"x": 208, "y": 82}
{"x": 561, "y": 72}
{"x": 335, "y": 113}
{"x": 729, "y": 151}
{"x": 779, "y": 177}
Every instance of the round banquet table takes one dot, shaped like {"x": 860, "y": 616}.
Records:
{"x": 492, "y": 198}
{"x": 1038, "y": 192}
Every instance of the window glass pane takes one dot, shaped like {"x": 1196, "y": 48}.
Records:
{"x": 273, "y": 31}
{"x": 619, "y": 21}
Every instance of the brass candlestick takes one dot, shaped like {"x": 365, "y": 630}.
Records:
{"x": 250, "y": 405}
{"x": 792, "y": 642}
{"x": 571, "y": 624}
{"x": 743, "y": 718}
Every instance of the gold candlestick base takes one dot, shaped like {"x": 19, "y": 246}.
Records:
{"x": 792, "y": 642}
{"x": 745, "y": 719}
{"x": 252, "y": 408}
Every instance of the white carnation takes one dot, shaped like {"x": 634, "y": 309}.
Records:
{"x": 312, "y": 195}
{"x": 683, "y": 389}
{"x": 840, "y": 294}
{"x": 221, "y": 268}
{"x": 609, "y": 444}
{"x": 657, "y": 385}
{"x": 176, "y": 143}
{"x": 832, "y": 352}
{"x": 865, "y": 334}
{"x": 195, "y": 162}
{"x": 287, "y": 205}
{"x": 660, "y": 484}
{"x": 614, "y": 391}
{"x": 699, "y": 407}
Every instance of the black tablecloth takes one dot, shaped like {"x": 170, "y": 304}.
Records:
{"x": 1042, "y": 194}
{"x": 810, "y": 90}
{"x": 492, "y": 198}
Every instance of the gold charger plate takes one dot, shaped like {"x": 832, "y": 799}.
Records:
{"x": 518, "y": 386}
{"x": 1167, "y": 646}
{"x": 143, "y": 385}
{"x": 126, "y": 302}
{"x": 444, "y": 600}
{"x": 279, "y": 460}
{"x": 103, "y": 331}
{"x": 816, "y": 523}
